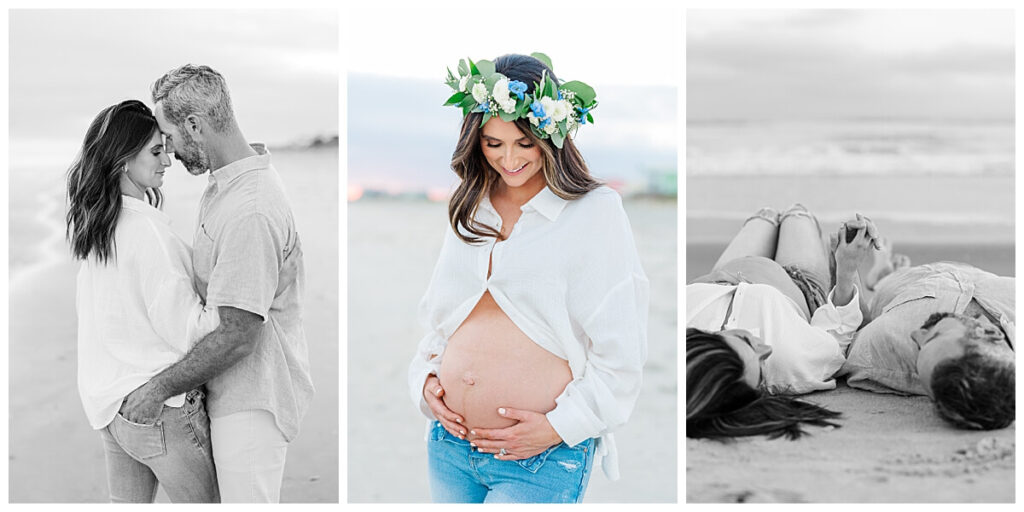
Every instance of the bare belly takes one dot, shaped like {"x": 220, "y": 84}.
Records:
{"x": 490, "y": 363}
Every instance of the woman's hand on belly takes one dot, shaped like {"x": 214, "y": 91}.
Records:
{"x": 530, "y": 436}
{"x": 432, "y": 393}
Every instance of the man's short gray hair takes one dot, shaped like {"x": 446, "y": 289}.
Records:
{"x": 194, "y": 90}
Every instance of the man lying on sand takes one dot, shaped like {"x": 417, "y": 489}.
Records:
{"x": 945, "y": 330}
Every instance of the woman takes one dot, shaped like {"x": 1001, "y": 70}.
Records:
{"x": 760, "y": 327}
{"x": 538, "y": 305}
{"x": 137, "y": 310}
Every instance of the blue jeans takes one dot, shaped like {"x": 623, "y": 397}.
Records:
{"x": 459, "y": 474}
{"x": 174, "y": 452}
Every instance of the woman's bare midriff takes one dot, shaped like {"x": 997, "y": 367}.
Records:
{"x": 490, "y": 363}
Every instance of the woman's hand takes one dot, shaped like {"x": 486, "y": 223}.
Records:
{"x": 857, "y": 238}
{"x": 432, "y": 393}
{"x": 531, "y": 436}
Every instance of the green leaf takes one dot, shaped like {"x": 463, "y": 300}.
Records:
{"x": 543, "y": 58}
{"x": 455, "y": 99}
{"x": 486, "y": 68}
{"x": 584, "y": 92}
{"x": 507, "y": 117}
{"x": 463, "y": 68}
{"x": 552, "y": 89}
{"x": 472, "y": 68}
{"x": 590, "y": 118}
{"x": 491, "y": 80}
{"x": 557, "y": 138}
{"x": 466, "y": 109}
{"x": 468, "y": 101}
{"x": 487, "y": 117}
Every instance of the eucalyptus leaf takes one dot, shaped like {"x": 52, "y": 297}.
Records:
{"x": 491, "y": 80}
{"x": 543, "y": 58}
{"x": 557, "y": 138}
{"x": 507, "y": 117}
{"x": 487, "y": 117}
{"x": 485, "y": 67}
{"x": 468, "y": 101}
{"x": 463, "y": 68}
{"x": 584, "y": 92}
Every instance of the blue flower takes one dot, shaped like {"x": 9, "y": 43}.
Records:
{"x": 482, "y": 108}
{"x": 544, "y": 122}
{"x": 538, "y": 110}
{"x": 559, "y": 94}
{"x": 518, "y": 88}
{"x": 583, "y": 114}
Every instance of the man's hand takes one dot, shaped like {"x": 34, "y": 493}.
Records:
{"x": 143, "y": 406}
{"x": 856, "y": 241}
{"x": 432, "y": 393}
{"x": 531, "y": 436}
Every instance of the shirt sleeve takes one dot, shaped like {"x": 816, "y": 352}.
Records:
{"x": 609, "y": 302}
{"x": 427, "y": 361}
{"x": 603, "y": 397}
{"x": 175, "y": 310}
{"x": 839, "y": 321}
{"x": 249, "y": 253}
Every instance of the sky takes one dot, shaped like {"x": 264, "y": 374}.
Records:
{"x": 281, "y": 66}
{"x": 815, "y": 64}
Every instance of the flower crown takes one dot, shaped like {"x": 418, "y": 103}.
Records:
{"x": 554, "y": 110}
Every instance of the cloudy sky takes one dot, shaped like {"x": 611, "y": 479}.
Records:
{"x": 281, "y": 66}
{"x": 815, "y": 64}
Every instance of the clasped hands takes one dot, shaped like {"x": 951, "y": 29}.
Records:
{"x": 853, "y": 243}
{"x": 531, "y": 435}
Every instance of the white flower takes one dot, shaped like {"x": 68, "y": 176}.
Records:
{"x": 561, "y": 110}
{"x": 501, "y": 97}
{"x": 550, "y": 128}
{"x": 533, "y": 119}
{"x": 480, "y": 92}
{"x": 463, "y": 82}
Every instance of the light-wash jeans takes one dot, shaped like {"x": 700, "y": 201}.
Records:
{"x": 459, "y": 474}
{"x": 174, "y": 452}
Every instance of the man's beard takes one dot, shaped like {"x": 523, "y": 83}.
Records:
{"x": 192, "y": 156}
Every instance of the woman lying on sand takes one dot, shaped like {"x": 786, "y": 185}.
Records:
{"x": 760, "y": 327}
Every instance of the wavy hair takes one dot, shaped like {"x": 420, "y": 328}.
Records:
{"x": 721, "y": 405}
{"x": 564, "y": 169}
{"x": 117, "y": 134}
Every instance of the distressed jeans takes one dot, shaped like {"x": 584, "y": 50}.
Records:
{"x": 459, "y": 474}
{"x": 173, "y": 452}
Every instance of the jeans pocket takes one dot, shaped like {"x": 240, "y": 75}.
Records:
{"x": 533, "y": 464}
{"x": 140, "y": 441}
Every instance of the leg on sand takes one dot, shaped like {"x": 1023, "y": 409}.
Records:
{"x": 757, "y": 237}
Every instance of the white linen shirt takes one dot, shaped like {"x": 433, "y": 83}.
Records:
{"x": 805, "y": 356}
{"x": 137, "y": 314}
{"x": 569, "y": 277}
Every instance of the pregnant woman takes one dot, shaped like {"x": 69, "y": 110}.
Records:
{"x": 137, "y": 310}
{"x": 538, "y": 304}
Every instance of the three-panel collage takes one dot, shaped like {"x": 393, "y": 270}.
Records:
{"x": 404, "y": 253}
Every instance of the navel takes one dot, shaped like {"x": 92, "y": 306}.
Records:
{"x": 468, "y": 379}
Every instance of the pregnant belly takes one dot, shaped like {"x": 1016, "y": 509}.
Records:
{"x": 490, "y": 363}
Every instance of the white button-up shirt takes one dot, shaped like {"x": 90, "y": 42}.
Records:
{"x": 805, "y": 356}
{"x": 570, "y": 278}
{"x": 138, "y": 313}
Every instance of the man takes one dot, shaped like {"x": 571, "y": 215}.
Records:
{"x": 945, "y": 330}
{"x": 247, "y": 260}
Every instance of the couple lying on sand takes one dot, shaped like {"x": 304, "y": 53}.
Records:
{"x": 782, "y": 314}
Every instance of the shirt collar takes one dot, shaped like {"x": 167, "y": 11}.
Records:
{"x": 546, "y": 203}
{"x": 261, "y": 160}
{"x": 135, "y": 205}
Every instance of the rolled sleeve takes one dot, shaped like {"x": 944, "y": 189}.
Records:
{"x": 245, "y": 274}
{"x": 603, "y": 397}
{"x": 427, "y": 361}
{"x": 839, "y": 321}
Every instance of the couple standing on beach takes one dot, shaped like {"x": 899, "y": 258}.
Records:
{"x": 193, "y": 362}
{"x": 761, "y": 329}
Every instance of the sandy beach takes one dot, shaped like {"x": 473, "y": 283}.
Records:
{"x": 889, "y": 448}
{"x": 392, "y": 248}
{"x": 54, "y": 455}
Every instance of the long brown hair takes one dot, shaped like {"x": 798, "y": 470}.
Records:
{"x": 564, "y": 169}
{"x": 117, "y": 134}
{"x": 720, "y": 405}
